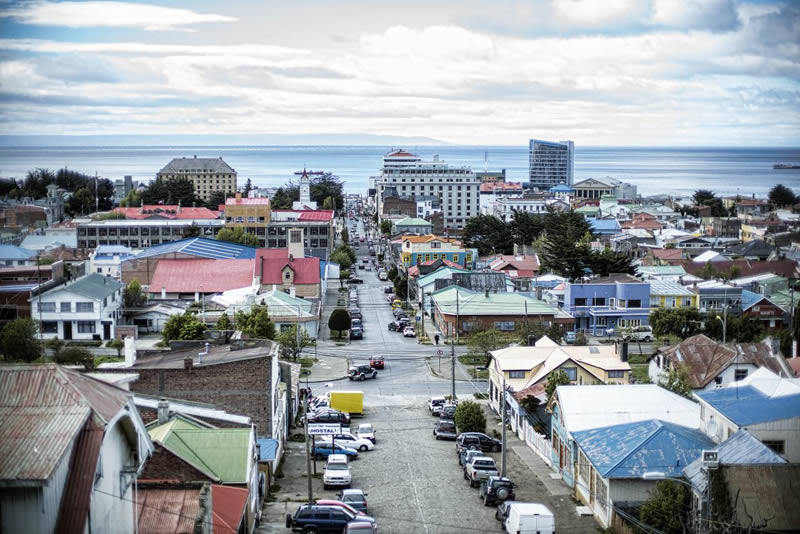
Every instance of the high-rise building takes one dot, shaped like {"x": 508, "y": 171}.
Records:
{"x": 206, "y": 174}
{"x": 551, "y": 163}
{"x": 405, "y": 175}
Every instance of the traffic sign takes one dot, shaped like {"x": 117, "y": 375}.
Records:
{"x": 439, "y": 352}
{"x": 324, "y": 429}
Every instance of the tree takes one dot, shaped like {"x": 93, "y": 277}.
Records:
{"x": 347, "y": 250}
{"x": 256, "y": 324}
{"x": 345, "y": 236}
{"x": 54, "y": 344}
{"x": 185, "y": 326}
{"x": 248, "y": 186}
{"x": 702, "y": 197}
{"x": 401, "y": 288}
{"x": 386, "y": 227}
{"x": 555, "y": 379}
{"x": 292, "y": 343}
{"x": 281, "y": 200}
{"x": 469, "y": 417}
{"x": 118, "y": 345}
{"x": 81, "y": 202}
{"x": 132, "y": 295}
{"x": 486, "y": 341}
{"x": 19, "y": 340}
{"x": 526, "y": 227}
{"x": 607, "y": 262}
{"x": 224, "y": 323}
{"x": 191, "y": 231}
{"x": 677, "y": 381}
{"x": 73, "y": 355}
{"x": 237, "y": 235}
{"x": 173, "y": 191}
{"x": 132, "y": 200}
{"x": 329, "y": 203}
{"x": 781, "y": 196}
{"x": 216, "y": 199}
{"x": 339, "y": 321}
{"x": 342, "y": 258}
{"x": 488, "y": 234}
{"x": 36, "y": 182}
{"x": 668, "y": 508}
{"x": 680, "y": 322}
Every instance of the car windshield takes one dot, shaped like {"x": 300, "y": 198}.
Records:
{"x": 337, "y": 467}
{"x": 364, "y": 429}
{"x": 353, "y": 498}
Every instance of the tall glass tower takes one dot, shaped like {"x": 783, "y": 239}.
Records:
{"x": 551, "y": 163}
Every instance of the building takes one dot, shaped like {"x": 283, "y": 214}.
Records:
{"x": 143, "y": 233}
{"x": 299, "y": 277}
{"x": 771, "y": 315}
{"x": 766, "y": 405}
{"x": 285, "y": 311}
{"x": 726, "y": 226}
{"x": 504, "y": 207}
{"x": 520, "y": 268}
{"x": 395, "y": 207}
{"x": 719, "y": 297}
{"x": 107, "y": 260}
{"x": 206, "y": 174}
{"x": 85, "y": 309}
{"x": 11, "y": 255}
{"x": 313, "y": 229}
{"x": 166, "y": 212}
{"x": 419, "y": 249}
{"x": 608, "y": 303}
{"x": 305, "y": 202}
{"x": 411, "y": 225}
{"x": 550, "y": 163}
{"x": 406, "y": 175}
{"x": 671, "y": 294}
{"x": 594, "y": 189}
{"x": 492, "y": 191}
{"x": 193, "y": 279}
{"x": 710, "y": 364}
{"x": 72, "y": 448}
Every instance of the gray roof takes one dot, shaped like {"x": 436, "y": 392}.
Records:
{"x": 94, "y": 286}
{"x": 195, "y": 164}
{"x": 11, "y": 252}
{"x": 42, "y": 242}
{"x": 481, "y": 281}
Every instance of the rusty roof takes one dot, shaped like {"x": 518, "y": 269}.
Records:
{"x": 78, "y": 488}
{"x": 43, "y": 408}
{"x": 228, "y": 506}
{"x": 168, "y": 510}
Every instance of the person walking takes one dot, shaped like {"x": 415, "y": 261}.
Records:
{"x": 436, "y": 338}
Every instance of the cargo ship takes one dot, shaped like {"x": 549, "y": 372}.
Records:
{"x": 786, "y": 166}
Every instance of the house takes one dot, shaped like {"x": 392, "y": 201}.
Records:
{"x": 425, "y": 285}
{"x": 418, "y": 249}
{"x": 521, "y": 268}
{"x": 457, "y": 310}
{"x": 726, "y": 226}
{"x": 411, "y": 225}
{"x": 767, "y": 405}
{"x": 605, "y": 227}
{"x": 757, "y": 249}
{"x": 505, "y": 207}
{"x": 11, "y": 255}
{"x": 786, "y": 268}
{"x": 664, "y": 256}
{"x": 87, "y": 308}
{"x": 761, "y": 308}
{"x": 296, "y": 276}
{"x": 672, "y": 273}
{"x": 719, "y": 297}
{"x": 670, "y": 294}
{"x": 491, "y": 192}
{"x": 578, "y": 408}
{"x": 428, "y": 267}
{"x": 150, "y": 318}
{"x": 612, "y": 461}
{"x": 611, "y": 302}
{"x": 71, "y": 449}
{"x": 193, "y": 279}
{"x": 174, "y": 508}
{"x": 285, "y": 310}
{"x": 107, "y": 260}
{"x": 710, "y": 364}
{"x": 166, "y": 212}
{"x": 643, "y": 221}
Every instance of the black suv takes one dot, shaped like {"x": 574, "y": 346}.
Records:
{"x": 361, "y": 372}
{"x": 496, "y": 489}
{"x": 317, "y": 518}
{"x": 330, "y": 417}
{"x": 477, "y": 440}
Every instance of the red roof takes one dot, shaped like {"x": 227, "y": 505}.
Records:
{"x": 667, "y": 253}
{"x": 234, "y": 201}
{"x": 186, "y": 276}
{"x": 400, "y": 154}
{"x": 168, "y": 510}
{"x": 503, "y": 186}
{"x": 167, "y": 212}
{"x": 306, "y": 270}
{"x": 505, "y": 262}
{"x": 316, "y": 215}
{"x": 272, "y": 253}
{"x": 228, "y": 506}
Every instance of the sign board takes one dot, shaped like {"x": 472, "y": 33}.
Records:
{"x": 439, "y": 352}
{"x": 324, "y": 429}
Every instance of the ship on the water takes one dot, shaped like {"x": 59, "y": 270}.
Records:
{"x": 786, "y": 166}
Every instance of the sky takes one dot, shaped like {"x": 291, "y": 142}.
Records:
{"x": 600, "y": 72}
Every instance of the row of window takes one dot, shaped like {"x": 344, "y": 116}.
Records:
{"x": 571, "y": 372}
{"x": 601, "y": 301}
{"x": 84, "y": 327}
{"x": 65, "y": 307}
{"x": 178, "y": 230}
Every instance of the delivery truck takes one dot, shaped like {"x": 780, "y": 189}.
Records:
{"x": 529, "y": 518}
{"x": 351, "y": 402}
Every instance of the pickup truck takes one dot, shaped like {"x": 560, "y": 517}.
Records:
{"x": 435, "y": 405}
{"x": 479, "y": 469}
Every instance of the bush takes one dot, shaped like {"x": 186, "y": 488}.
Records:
{"x": 470, "y": 417}
{"x": 19, "y": 340}
{"x": 72, "y": 355}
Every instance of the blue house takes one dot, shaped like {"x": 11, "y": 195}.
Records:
{"x": 605, "y": 226}
{"x": 604, "y": 304}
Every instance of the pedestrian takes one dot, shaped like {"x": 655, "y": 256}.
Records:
{"x": 436, "y": 338}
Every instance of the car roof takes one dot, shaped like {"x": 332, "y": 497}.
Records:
{"x": 352, "y": 491}
{"x": 337, "y": 458}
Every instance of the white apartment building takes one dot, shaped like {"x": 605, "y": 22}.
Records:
{"x": 551, "y": 163}
{"x": 207, "y": 175}
{"x": 107, "y": 260}
{"x": 456, "y": 187}
{"x": 504, "y": 207}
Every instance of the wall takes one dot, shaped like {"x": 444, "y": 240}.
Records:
{"x": 98, "y": 316}
{"x": 786, "y": 430}
{"x": 108, "y": 512}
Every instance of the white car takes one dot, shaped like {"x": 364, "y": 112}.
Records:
{"x": 366, "y": 431}
{"x": 337, "y": 472}
{"x": 409, "y": 332}
{"x": 435, "y": 405}
{"x": 383, "y": 276}
{"x": 350, "y": 441}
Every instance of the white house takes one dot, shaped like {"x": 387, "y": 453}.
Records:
{"x": 87, "y": 308}
{"x": 71, "y": 448}
{"x": 107, "y": 259}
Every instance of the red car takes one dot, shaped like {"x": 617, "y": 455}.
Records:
{"x": 376, "y": 362}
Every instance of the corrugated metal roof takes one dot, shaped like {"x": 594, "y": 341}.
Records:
{"x": 631, "y": 449}
{"x": 668, "y": 288}
{"x": 41, "y": 242}
{"x": 306, "y": 270}
{"x": 315, "y": 215}
{"x": 167, "y": 511}
{"x": 586, "y": 407}
{"x": 267, "y": 449}
{"x": 215, "y": 276}
{"x": 766, "y": 495}
{"x": 93, "y": 286}
{"x": 201, "y": 247}
{"x": 747, "y": 405}
{"x": 11, "y": 252}
{"x": 477, "y": 303}
{"x": 228, "y": 506}
{"x": 78, "y": 489}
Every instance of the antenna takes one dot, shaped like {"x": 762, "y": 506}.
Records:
{"x": 485, "y": 161}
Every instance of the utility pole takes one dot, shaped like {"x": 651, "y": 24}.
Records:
{"x": 453, "y": 356}
{"x": 297, "y": 333}
{"x": 503, "y": 400}
{"x": 96, "y": 198}
{"x": 308, "y": 452}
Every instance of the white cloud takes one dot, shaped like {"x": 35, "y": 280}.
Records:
{"x": 592, "y": 12}
{"x": 111, "y": 14}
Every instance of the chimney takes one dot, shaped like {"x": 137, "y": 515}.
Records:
{"x": 531, "y": 341}
{"x": 291, "y": 258}
{"x": 238, "y": 197}
{"x": 188, "y": 363}
{"x": 486, "y": 294}
{"x": 539, "y": 292}
{"x": 163, "y": 411}
{"x": 292, "y": 291}
{"x": 163, "y": 293}
{"x": 178, "y": 211}
{"x": 624, "y": 353}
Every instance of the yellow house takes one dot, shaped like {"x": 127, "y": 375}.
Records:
{"x": 417, "y": 249}
{"x": 751, "y": 232}
{"x": 668, "y": 294}
{"x": 247, "y": 212}
{"x": 525, "y": 367}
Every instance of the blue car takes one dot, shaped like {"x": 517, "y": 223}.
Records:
{"x": 323, "y": 449}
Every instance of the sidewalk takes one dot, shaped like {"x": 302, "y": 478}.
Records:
{"x": 441, "y": 367}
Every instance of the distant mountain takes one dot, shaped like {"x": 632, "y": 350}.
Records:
{"x": 214, "y": 140}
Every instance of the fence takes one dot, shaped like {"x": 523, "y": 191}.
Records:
{"x": 538, "y": 442}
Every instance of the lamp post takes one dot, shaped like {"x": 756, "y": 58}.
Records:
{"x": 724, "y": 321}
{"x": 202, "y": 305}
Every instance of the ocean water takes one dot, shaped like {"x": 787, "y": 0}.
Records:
{"x": 676, "y": 171}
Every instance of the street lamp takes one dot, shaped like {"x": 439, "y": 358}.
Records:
{"x": 724, "y": 321}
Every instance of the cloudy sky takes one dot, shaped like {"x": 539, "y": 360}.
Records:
{"x": 602, "y": 72}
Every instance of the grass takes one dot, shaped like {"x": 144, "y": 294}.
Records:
{"x": 106, "y": 359}
{"x": 639, "y": 373}
{"x": 637, "y": 359}
{"x": 306, "y": 362}
{"x": 472, "y": 359}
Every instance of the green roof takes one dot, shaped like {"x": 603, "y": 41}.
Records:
{"x": 412, "y": 221}
{"x": 783, "y": 299}
{"x": 221, "y": 453}
{"x": 441, "y": 272}
{"x": 94, "y": 286}
{"x": 587, "y": 209}
{"x": 478, "y": 303}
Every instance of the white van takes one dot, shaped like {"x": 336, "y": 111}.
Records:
{"x": 529, "y": 518}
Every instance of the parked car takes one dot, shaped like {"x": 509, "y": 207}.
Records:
{"x": 356, "y": 323}
{"x": 435, "y": 405}
{"x": 356, "y": 333}
{"x": 383, "y": 276}
{"x": 479, "y": 469}
{"x": 388, "y": 289}
{"x": 360, "y": 527}
{"x": 319, "y": 518}
{"x": 570, "y": 337}
{"x": 467, "y": 455}
{"x": 640, "y": 333}
{"x": 361, "y": 372}
{"x": 398, "y": 313}
{"x": 361, "y": 515}
{"x": 496, "y": 489}
{"x": 525, "y": 517}
{"x": 354, "y": 313}
{"x": 355, "y": 280}
{"x": 448, "y": 411}
{"x": 409, "y": 332}
{"x": 445, "y": 429}
{"x": 336, "y": 471}
{"x": 502, "y": 510}
{"x": 355, "y": 498}
{"x": 390, "y": 298}
{"x": 331, "y": 416}
{"x": 366, "y": 431}
{"x": 323, "y": 449}
{"x": 396, "y": 326}
{"x": 346, "y": 439}
{"x": 477, "y": 440}
{"x": 376, "y": 362}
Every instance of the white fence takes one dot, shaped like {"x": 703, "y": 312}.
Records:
{"x": 538, "y": 442}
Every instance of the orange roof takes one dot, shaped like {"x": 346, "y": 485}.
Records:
{"x": 430, "y": 237}
{"x": 228, "y": 506}
{"x": 167, "y": 212}
{"x": 234, "y": 201}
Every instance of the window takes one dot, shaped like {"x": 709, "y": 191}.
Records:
{"x": 777, "y": 446}
{"x": 49, "y": 327}
{"x": 616, "y": 374}
{"x": 599, "y": 301}
{"x": 46, "y": 306}
{"x": 287, "y": 275}
{"x": 740, "y": 374}
{"x": 580, "y": 302}
{"x": 66, "y": 307}
{"x": 467, "y": 325}
{"x": 572, "y": 373}
{"x": 718, "y": 380}
{"x": 296, "y": 236}
{"x": 638, "y": 303}
{"x": 516, "y": 374}
{"x": 83, "y": 307}
{"x": 506, "y": 326}
{"x": 436, "y": 244}
{"x": 86, "y": 327}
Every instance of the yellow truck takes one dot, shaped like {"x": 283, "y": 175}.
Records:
{"x": 351, "y": 402}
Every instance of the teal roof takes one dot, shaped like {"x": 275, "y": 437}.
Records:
{"x": 676, "y": 270}
{"x": 478, "y": 303}
{"x": 441, "y": 272}
{"x": 412, "y": 221}
{"x": 94, "y": 286}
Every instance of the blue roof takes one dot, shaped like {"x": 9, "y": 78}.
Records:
{"x": 202, "y": 247}
{"x": 267, "y": 449}
{"x": 747, "y": 405}
{"x": 19, "y": 288}
{"x": 604, "y": 225}
{"x": 561, "y": 188}
{"x": 631, "y": 449}
{"x": 112, "y": 249}
{"x": 11, "y": 252}
{"x": 750, "y": 299}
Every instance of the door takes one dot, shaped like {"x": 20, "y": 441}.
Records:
{"x": 67, "y": 329}
{"x": 106, "y": 330}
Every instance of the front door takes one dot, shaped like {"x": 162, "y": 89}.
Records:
{"x": 67, "y": 330}
{"x": 106, "y": 330}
